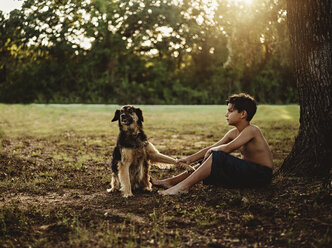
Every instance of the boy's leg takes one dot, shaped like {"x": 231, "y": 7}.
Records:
{"x": 170, "y": 182}
{"x": 198, "y": 175}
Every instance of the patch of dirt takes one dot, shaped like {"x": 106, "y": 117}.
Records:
{"x": 50, "y": 197}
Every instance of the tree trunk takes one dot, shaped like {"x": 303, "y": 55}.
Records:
{"x": 310, "y": 28}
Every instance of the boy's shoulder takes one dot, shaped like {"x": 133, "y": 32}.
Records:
{"x": 253, "y": 128}
{"x": 250, "y": 127}
{"x": 250, "y": 130}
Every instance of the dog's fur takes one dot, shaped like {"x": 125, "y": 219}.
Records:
{"x": 133, "y": 153}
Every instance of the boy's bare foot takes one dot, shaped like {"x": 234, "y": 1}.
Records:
{"x": 162, "y": 183}
{"x": 172, "y": 191}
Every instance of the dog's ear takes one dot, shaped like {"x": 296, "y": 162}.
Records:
{"x": 139, "y": 114}
{"x": 116, "y": 115}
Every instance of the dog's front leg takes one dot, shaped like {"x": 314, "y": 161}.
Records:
{"x": 125, "y": 179}
{"x": 144, "y": 175}
{"x": 114, "y": 183}
{"x": 124, "y": 176}
{"x": 156, "y": 156}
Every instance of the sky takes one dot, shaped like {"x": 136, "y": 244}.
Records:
{"x": 8, "y": 5}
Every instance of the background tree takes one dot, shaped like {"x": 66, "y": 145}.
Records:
{"x": 310, "y": 25}
{"x": 145, "y": 51}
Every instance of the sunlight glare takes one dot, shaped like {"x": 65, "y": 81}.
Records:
{"x": 211, "y": 5}
{"x": 239, "y": 2}
{"x": 244, "y": 1}
{"x": 9, "y": 5}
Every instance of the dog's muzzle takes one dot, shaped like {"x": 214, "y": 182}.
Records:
{"x": 126, "y": 120}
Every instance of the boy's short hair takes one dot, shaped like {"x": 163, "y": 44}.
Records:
{"x": 242, "y": 102}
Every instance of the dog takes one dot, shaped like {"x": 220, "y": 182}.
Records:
{"x": 133, "y": 153}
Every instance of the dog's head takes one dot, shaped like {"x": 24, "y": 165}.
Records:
{"x": 129, "y": 116}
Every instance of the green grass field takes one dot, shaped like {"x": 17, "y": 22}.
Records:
{"x": 48, "y": 120}
{"x": 179, "y": 128}
{"x": 54, "y": 172}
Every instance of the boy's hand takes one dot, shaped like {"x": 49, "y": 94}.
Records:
{"x": 209, "y": 152}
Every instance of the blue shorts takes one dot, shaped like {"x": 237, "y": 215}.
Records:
{"x": 231, "y": 171}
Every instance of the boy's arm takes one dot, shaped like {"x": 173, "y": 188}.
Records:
{"x": 199, "y": 155}
{"x": 244, "y": 137}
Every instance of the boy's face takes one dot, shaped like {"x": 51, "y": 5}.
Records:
{"x": 233, "y": 116}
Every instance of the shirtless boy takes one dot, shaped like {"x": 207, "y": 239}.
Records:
{"x": 218, "y": 166}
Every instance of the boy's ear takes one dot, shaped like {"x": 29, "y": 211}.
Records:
{"x": 139, "y": 114}
{"x": 116, "y": 115}
{"x": 244, "y": 114}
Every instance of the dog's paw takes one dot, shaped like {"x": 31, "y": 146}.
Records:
{"x": 110, "y": 190}
{"x": 126, "y": 192}
{"x": 190, "y": 168}
{"x": 148, "y": 188}
{"x": 126, "y": 195}
{"x": 186, "y": 167}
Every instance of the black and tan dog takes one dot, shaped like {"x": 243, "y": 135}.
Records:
{"x": 133, "y": 153}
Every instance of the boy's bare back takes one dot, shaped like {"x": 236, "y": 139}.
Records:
{"x": 256, "y": 150}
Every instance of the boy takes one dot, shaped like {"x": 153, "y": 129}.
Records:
{"x": 218, "y": 166}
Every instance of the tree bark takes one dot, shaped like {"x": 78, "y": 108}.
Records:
{"x": 310, "y": 28}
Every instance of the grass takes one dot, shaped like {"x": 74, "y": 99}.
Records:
{"x": 54, "y": 171}
{"x": 180, "y": 129}
{"x": 49, "y": 120}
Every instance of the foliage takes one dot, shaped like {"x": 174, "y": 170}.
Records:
{"x": 143, "y": 51}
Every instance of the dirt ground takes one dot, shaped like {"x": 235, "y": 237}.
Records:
{"x": 50, "y": 197}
